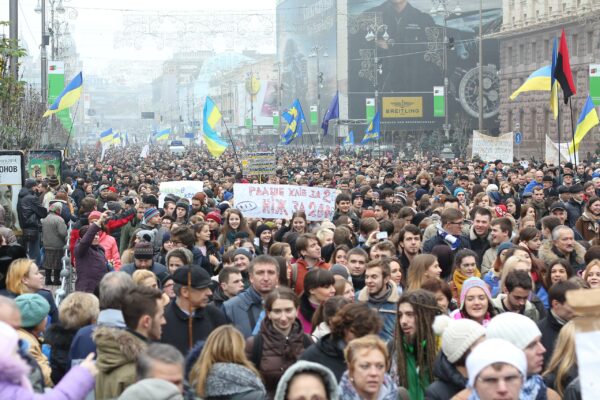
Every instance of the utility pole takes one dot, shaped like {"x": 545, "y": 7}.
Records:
{"x": 44, "y": 56}
{"x": 14, "y": 35}
{"x": 480, "y": 65}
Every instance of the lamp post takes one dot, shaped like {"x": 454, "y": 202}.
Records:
{"x": 41, "y": 8}
{"x": 376, "y": 33}
{"x": 442, "y": 8}
{"x": 316, "y": 52}
{"x": 277, "y": 69}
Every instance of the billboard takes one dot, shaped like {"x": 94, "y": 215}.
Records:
{"x": 257, "y": 100}
{"x": 304, "y": 26}
{"x": 397, "y": 50}
{"x": 12, "y": 173}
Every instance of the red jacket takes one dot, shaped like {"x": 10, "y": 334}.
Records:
{"x": 297, "y": 272}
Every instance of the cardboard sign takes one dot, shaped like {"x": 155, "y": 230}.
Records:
{"x": 259, "y": 163}
{"x": 281, "y": 201}
{"x": 185, "y": 189}
{"x": 491, "y": 148}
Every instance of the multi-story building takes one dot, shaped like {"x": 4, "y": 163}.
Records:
{"x": 526, "y": 42}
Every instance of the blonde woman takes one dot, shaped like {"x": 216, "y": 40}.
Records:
{"x": 144, "y": 277}
{"x": 24, "y": 276}
{"x": 591, "y": 274}
{"x": 423, "y": 267}
{"x": 224, "y": 371}
{"x": 562, "y": 368}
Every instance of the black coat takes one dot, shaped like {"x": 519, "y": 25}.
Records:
{"x": 550, "y": 329}
{"x": 175, "y": 331}
{"x": 30, "y": 210}
{"x": 437, "y": 239}
{"x": 329, "y": 352}
{"x": 60, "y": 340}
{"x": 448, "y": 380}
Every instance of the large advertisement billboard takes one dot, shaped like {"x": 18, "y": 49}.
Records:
{"x": 306, "y": 48}
{"x": 257, "y": 99}
{"x": 397, "y": 53}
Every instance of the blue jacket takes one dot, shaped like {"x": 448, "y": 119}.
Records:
{"x": 243, "y": 310}
{"x": 386, "y": 308}
{"x": 159, "y": 270}
{"x": 530, "y": 186}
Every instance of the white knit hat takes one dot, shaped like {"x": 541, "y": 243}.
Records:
{"x": 458, "y": 335}
{"x": 492, "y": 351}
{"x": 516, "y": 328}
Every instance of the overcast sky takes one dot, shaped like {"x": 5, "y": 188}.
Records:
{"x": 98, "y": 27}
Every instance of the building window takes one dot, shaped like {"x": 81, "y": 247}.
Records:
{"x": 521, "y": 116}
{"x": 510, "y": 55}
{"x": 590, "y": 42}
{"x": 546, "y": 122}
{"x": 534, "y": 51}
{"x": 522, "y": 54}
{"x": 510, "y": 121}
{"x": 574, "y": 44}
{"x": 546, "y": 49}
{"x": 534, "y": 123}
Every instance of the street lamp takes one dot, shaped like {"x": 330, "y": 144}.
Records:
{"x": 443, "y": 10}
{"x": 376, "y": 33}
{"x": 316, "y": 52}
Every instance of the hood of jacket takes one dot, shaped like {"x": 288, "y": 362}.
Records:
{"x": 446, "y": 372}
{"x": 116, "y": 347}
{"x": 387, "y": 391}
{"x": 227, "y": 379}
{"x": 57, "y": 335}
{"x": 547, "y": 254}
{"x": 393, "y": 297}
{"x": 331, "y": 346}
{"x": 307, "y": 366}
{"x": 13, "y": 369}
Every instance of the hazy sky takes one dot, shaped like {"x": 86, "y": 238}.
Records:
{"x": 98, "y": 27}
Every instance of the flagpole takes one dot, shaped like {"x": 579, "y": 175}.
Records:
{"x": 558, "y": 125}
{"x": 232, "y": 145}
{"x": 573, "y": 131}
{"x": 72, "y": 123}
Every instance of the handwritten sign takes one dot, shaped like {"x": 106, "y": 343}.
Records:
{"x": 491, "y": 148}
{"x": 186, "y": 189}
{"x": 259, "y": 163}
{"x": 281, "y": 201}
{"x": 551, "y": 156}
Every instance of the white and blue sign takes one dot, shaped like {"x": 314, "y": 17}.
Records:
{"x": 518, "y": 137}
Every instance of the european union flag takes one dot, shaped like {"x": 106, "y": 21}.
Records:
{"x": 294, "y": 117}
{"x": 333, "y": 112}
{"x": 373, "y": 130}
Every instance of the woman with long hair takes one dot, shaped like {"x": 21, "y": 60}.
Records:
{"x": 318, "y": 287}
{"x": 326, "y": 312}
{"x": 298, "y": 224}
{"x": 528, "y": 210}
{"x": 234, "y": 223}
{"x": 339, "y": 255}
{"x": 588, "y": 224}
{"x": 475, "y": 302}
{"x": 591, "y": 274}
{"x": 206, "y": 246}
{"x": 281, "y": 249}
{"x": 280, "y": 340}
{"x": 264, "y": 239}
{"x": 530, "y": 239}
{"x": 559, "y": 271}
{"x": 422, "y": 267}
{"x": 562, "y": 368}
{"x": 465, "y": 267}
{"x": 223, "y": 371}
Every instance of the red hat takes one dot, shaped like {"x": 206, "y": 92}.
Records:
{"x": 501, "y": 210}
{"x": 94, "y": 216}
{"x": 214, "y": 216}
{"x": 112, "y": 189}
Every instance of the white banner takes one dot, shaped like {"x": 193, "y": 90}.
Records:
{"x": 552, "y": 152}
{"x": 492, "y": 148}
{"x": 10, "y": 169}
{"x": 281, "y": 201}
{"x": 185, "y": 189}
{"x": 145, "y": 151}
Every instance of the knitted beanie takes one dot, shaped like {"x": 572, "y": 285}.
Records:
{"x": 458, "y": 190}
{"x": 33, "y": 307}
{"x": 260, "y": 229}
{"x": 150, "y": 212}
{"x": 458, "y": 335}
{"x": 492, "y": 351}
{"x": 516, "y": 328}
{"x": 143, "y": 251}
{"x": 244, "y": 252}
{"x": 214, "y": 216}
{"x": 94, "y": 216}
{"x": 55, "y": 207}
{"x": 470, "y": 284}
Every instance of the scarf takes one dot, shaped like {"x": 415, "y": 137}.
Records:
{"x": 382, "y": 298}
{"x": 451, "y": 240}
{"x": 458, "y": 278}
{"x": 387, "y": 391}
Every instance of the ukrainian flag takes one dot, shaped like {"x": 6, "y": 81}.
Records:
{"x": 211, "y": 117}
{"x": 106, "y": 137}
{"x": 538, "y": 80}
{"x": 68, "y": 96}
{"x": 163, "y": 135}
{"x": 587, "y": 120}
{"x": 116, "y": 138}
{"x": 373, "y": 131}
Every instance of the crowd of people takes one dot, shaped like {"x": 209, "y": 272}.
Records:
{"x": 434, "y": 279}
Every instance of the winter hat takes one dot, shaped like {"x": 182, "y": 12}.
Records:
{"x": 214, "y": 216}
{"x": 458, "y": 335}
{"x": 55, "y": 207}
{"x": 166, "y": 237}
{"x": 94, "y": 216}
{"x": 113, "y": 206}
{"x": 241, "y": 235}
{"x": 458, "y": 190}
{"x": 223, "y": 207}
{"x": 244, "y": 252}
{"x": 151, "y": 212}
{"x": 152, "y": 389}
{"x": 470, "y": 284}
{"x": 146, "y": 235}
{"x": 504, "y": 246}
{"x": 516, "y": 328}
{"x": 227, "y": 196}
{"x": 492, "y": 187}
{"x": 420, "y": 193}
{"x": 33, "y": 307}
{"x": 339, "y": 269}
{"x": 143, "y": 251}
{"x": 260, "y": 229}
{"x": 182, "y": 203}
{"x": 53, "y": 181}
{"x": 300, "y": 367}
{"x": 501, "y": 210}
{"x": 492, "y": 351}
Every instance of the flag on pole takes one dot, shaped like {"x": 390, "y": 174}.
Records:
{"x": 538, "y": 80}
{"x": 67, "y": 97}
{"x": 145, "y": 151}
{"x": 373, "y": 130}
{"x": 349, "y": 139}
{"x": 562, "y": 69}
{"x": 163, "y": 135}
{"x": 116, "y": 138}
{"x": 294, "y": 116}
{"x": 211, "y": 117}
{"x": 553, "y": 82}
{"x": 106, "y": 137}
{"x": 333, "y": 112}
{"x": 587, "y": 120}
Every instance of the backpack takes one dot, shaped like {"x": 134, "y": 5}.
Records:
{"x": 257, "y": 348}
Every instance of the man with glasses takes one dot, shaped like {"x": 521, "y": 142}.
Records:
{"x": 449, "y": 233}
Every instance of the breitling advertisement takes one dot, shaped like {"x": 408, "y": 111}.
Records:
{"x": 398, "y": 53}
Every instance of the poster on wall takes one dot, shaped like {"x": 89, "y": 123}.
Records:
{"x": 12, "y": 171}
{"x": 42, "y": 164}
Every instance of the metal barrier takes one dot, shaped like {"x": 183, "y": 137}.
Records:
{"x": 66, "y": 273}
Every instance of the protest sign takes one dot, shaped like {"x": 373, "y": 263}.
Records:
{"x": 185, "y": 189}
{"x": 281, "y": 201}
{"x": 492, "y": 148}
{"x": 551, "y": 156}
{"x": 259, "y": 163}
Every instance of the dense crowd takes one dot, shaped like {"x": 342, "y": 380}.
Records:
{"x": 434, "y": 279}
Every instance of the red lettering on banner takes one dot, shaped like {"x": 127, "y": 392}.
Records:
{"x": 326, "y": 194}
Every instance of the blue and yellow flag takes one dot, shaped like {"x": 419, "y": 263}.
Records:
{"x": 68, "y": 96}
{"x": 294, "y": 116}
{"x": 163, "y": 135}
{"x": 211, "y": 117}
{"x": 538, "y": 80}
{"x": 373, "y": 130}
{"x": 106, "y": 137}
{"x": 587, "y": 120}
{"x": 116, "y": 138}
{"x": 349, "y": 139}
